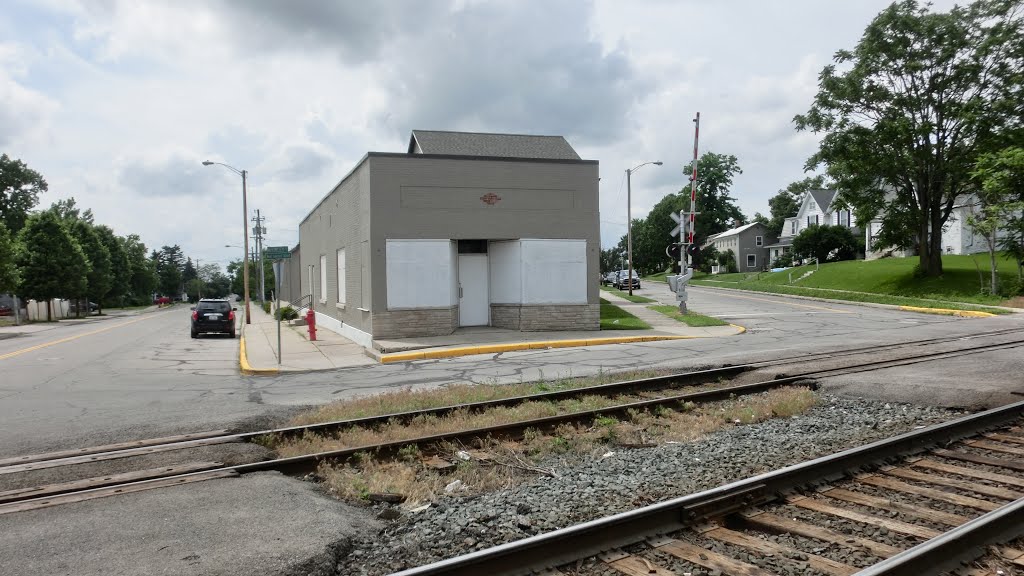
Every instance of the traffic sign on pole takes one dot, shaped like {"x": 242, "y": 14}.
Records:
{"x": 276, "y": 253}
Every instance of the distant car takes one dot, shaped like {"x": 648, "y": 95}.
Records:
{"x": 162, "y": 300}
{"x": 623, "y": 280}
{"x": 90, "y": 308}
{"x": 213, "y": 316}
{"x": 609, "y": 277}
{"x": 6, "y": 310}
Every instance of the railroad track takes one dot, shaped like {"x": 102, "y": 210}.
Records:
{"x": 918, "y": 503}
{"x": 22, "y": 499}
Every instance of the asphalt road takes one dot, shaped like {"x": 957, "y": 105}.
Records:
{"x": 127, "y": 377}
{"x": 121, "y": 378}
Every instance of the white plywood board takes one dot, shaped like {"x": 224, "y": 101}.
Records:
{"x": 419, "y": 273}
{"x": 506, "y": 271}
{"x": 554, "y": 271}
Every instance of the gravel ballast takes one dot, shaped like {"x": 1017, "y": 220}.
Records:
{"x": 626, "y": 480}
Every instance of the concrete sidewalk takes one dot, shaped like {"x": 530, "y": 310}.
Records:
{"x": 258, "y": 349}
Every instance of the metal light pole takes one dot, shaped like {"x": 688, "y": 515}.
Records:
{"x": 629, "y": 221}
{"x": 245, "y": 230}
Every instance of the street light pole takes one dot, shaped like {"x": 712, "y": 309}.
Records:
{"x": 245, "y": 230}
{"x": 629, "y": 221}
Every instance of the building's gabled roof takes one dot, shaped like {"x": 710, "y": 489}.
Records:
{"x": 491, "y": 145}
{"x": 735, "y": 231}
{"x": 823, "y": 198}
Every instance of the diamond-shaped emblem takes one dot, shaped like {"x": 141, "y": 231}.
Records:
{"x": 490, "y": 198}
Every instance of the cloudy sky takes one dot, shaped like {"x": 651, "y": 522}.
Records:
{"x": 118, "y": 102}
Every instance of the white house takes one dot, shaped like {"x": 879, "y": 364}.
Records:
{"x": 816, "y": 208}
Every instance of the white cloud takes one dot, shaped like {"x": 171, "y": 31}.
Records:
{"x": 117, "y": 102}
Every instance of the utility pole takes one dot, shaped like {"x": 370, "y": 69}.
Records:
{"x": 258, "y": 231}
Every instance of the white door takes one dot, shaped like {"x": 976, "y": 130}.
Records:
{"x": 474, "y": 304}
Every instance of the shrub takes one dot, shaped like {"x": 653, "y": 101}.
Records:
{"x": 785, "y": 260}
{"x": 266, "y": 307}
{"x": 286, "y": 313}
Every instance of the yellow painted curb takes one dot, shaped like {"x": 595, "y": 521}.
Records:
{"x": 536, "y": 345}
{"x": 949, "y": 312}
{"x": 243, "y": 361}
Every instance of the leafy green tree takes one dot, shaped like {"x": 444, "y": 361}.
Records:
{"x": 9, "y": 276}
{"x": 715, "y": 173}
{"x": 708, "y": 257}
{"x": 1001, "y": 196}
{"x": 611, "y": 258}
{"x": 19, "y": 192}
{"x": 189, "y": 272}
{"x": 51, "y": 261}
{"x": 100, "y": 276}
{"x": 826, "y": 243}
{"x": 909, "y": 109}
{"x": 718, "y": 212}
{"x": 786, "y": 202}
{"x": 68, "y": 211}
{"x": 727, "y": 260}
{"x": 169, "y": 263}
{"x": 120, "y": 269}
{"x": 142, "y": 278}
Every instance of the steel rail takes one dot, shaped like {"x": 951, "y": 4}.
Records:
{"x": 961, "y": 544}
{"x": 306, "y": 463}
{"x": 96, "y": 453}
{"x": 566, "y": 545}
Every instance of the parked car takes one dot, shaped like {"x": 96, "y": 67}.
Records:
{"x": 213, "y": 316}
{"x": 162, "y": 300}
{"x": 609, "y": 277}
{"x": 6, "y": 310}
{"x": 88, "y": 309}
{"x": 623, "y": 280}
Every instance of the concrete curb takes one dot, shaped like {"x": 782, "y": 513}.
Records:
{"x": 243, "y": 361}
{"x": 1011, "y": 311}
{"x": 949, "y": 312}
{"x": 537, "y": 345}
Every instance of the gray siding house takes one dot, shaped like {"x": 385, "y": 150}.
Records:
{"x": 464, "y": 229}
{"x": 748, "y": 243}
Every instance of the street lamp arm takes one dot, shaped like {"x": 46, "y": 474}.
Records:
{"x": 228, "y": 166}
{"x": 656, "y": 163}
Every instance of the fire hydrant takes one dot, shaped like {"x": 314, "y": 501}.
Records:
{"x": 311, "y": 324}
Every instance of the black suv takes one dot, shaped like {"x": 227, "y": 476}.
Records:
{"x": 213, "y": 316}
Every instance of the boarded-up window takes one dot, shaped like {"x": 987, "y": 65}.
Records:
{"x": 341, "y": 276}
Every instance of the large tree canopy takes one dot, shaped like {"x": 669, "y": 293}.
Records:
{"x": 906, "y": 113}
{"x": 9, "y": 276}
{"x": 51, "y": 261}
{"x": 19, "y": 192}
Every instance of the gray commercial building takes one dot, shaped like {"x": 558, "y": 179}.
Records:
{"x": 463, "y": 229}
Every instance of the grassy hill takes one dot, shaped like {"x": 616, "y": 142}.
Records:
{"x": 890, "y": 277}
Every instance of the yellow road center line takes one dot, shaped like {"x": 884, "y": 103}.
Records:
{"x": 837, "y": 311}
{"x": 77, "y": 336}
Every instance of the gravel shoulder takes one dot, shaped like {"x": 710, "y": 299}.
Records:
{"x": 624, "y": 480}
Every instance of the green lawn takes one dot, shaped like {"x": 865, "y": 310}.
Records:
{"x": 690, "y": 318}
{"x": 886, "y": 281}
{"x": 615, "y": 318}
{"x": 659, "y": 277}
{"x": 634, "y": 298}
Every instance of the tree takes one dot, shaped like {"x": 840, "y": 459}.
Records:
{"x": 611, "y": 258}
{"x": 727, "y": 260}
{"x": 67, "y": 210}
{"x": 826, "y": 243}
{"x": 142, "y": 278}
{"x": 120, "y": 268}
{"x": 51, "y": 261}
{"x": 100, "y": 276}
{"x": 718, "y": 212}
{"x": 188, "y": 272}
{"x": 786, "y": 202}
{"x": 714, "y": 181}
{"x": 19, "y": 192}
{"x": 708, "y": 257}
{"x": 9, "y": 276}
{"x": 169, "y": 263}
{"x": 909, "y": 109}
{"x": 1001, "y": 201}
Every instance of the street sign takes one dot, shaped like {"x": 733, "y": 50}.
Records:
{"x": 276, "y": 253}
